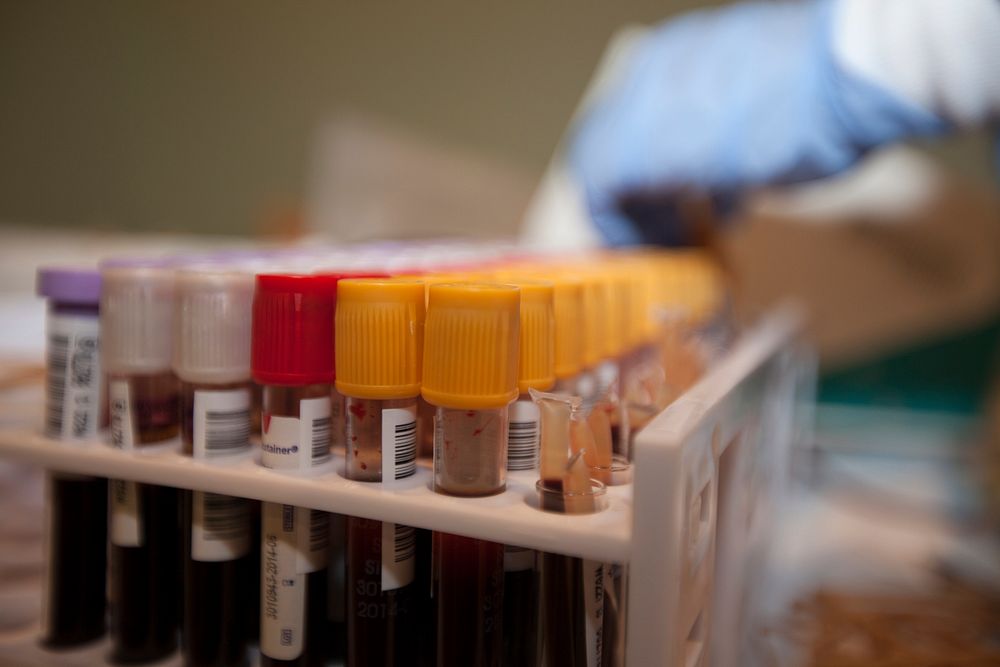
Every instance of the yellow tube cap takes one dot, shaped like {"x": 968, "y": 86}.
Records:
{"x": 594, "y": 319}
{"x": 536, "y": 365}
{"x": 378, "y": 337}
{"x": 471, "y": 345}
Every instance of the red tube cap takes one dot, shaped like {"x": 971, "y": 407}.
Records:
{"x": 292, "y": 338}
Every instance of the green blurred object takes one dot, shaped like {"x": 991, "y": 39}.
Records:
{"x": 952, "y": 374}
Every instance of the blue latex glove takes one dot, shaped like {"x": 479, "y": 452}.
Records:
{"x": 720, "y": 102}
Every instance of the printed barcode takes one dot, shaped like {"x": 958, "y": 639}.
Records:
{"x": 319, "y": 530}
{"x": 226, "y": 431}
{"x": 522, "y": 445}
{"x": 406, "y": 543}
{"x": 320, "y": 439}
{"x": 225, "y": 517}
{"x": 58, "y": 357}
{"x": 406, "y": 449}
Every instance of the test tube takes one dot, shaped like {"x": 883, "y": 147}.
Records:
{"x": 212, "y": 360}
{"x": 76, "y": 529}
{"x": 470, "y": 376}
{"x": 144, "y": 530}
{"x": 379, "y": 345}
{"x": 292, "y": 357}
{"x": 536, "y": 370}
{"x": 572, "y": 589}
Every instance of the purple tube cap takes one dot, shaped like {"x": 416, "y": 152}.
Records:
{"x": 69, "y": 285}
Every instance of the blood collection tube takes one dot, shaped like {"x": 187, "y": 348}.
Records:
{"x": 76, "y": 530}
{"x": 470, "y": 375}
{"x": 379, "y": 345}
{"x": 292, "y": 357}
{"x": 572, "y": 589}
{"x": 212, "y": 360}
{"x": 144, "y": 531}
{"x": 536, "y": 370}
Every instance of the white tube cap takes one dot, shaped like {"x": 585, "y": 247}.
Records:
{"x": 137, "y": 307}
{"x": 212, "y": 325}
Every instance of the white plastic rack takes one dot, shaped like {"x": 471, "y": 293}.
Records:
{"x": 707, "y": 471}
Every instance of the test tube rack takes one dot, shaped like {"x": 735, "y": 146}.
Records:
{"x": 692, "y": 526}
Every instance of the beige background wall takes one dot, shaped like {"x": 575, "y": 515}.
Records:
{"x": 198, "y": 115}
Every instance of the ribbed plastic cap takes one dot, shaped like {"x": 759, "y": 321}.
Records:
{"x": 212, "y": 325}
{"x": 69, "y": 285}
{"x": 536, "y": 359}
{"x": 471, "y": 342}
{"x": 292, "y": 333}
{"x": 137, "y": 308}
{"x": 379, "y": 337}
{"x": 595, "y": 308}
{"x": 567, "y": 301}
{"x": 618, "y": 315}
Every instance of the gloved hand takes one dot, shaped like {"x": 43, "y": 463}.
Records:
{"x": 720, "y": 102}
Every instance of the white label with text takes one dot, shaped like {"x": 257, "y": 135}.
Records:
{"x": 73, "y": 377}
{"x": 126, "y": 528}
{"x": 298, "y": 443}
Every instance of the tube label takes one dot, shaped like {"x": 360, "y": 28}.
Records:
{"x": 126, "y": 529}
{"x": 220, "y": 527}
{"x": 399, "y": 443}
{"x": 522, "y": 436}
{"x": 221, "y": 422}
{"x": 517, "y": 559}
{"x": 594, "y": 574}
{"x": 73, "y": 377}
{"x": 293, "y": 544}
{"x": 297, "y": 443}
{"x": 399, "y": 554}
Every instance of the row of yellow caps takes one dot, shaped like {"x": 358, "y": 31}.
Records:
{"x": 492, "y": 334}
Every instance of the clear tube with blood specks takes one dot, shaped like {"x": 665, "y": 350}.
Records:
{"x": 379, "y": 335}
{"x": 470, "y": 375}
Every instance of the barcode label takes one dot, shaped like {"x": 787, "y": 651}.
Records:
{"x": 73, "y": 378}
{"x": 220, "y": 527}
{"x": 399, "y": 551}
{"x": 56, "y": 364}
{"x": 522, "y": 436}
{"x": 399, "y": 443}
{"x": 320, "y": 439}
{"x": 297, "y": 443}
{"x": 221, "y": 422}
{"x": 313, "y": 539}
